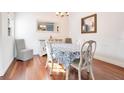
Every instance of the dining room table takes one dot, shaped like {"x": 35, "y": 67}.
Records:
{"x": 65, "y": 54}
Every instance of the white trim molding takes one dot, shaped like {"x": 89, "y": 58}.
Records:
{"x": 109, "y": 60}
{"x": 5, "y": 69}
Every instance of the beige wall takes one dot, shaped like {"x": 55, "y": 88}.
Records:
{"x": 109, "y": 36}
{"x": 26, "y": 28}
{"x": 6, "y": 43}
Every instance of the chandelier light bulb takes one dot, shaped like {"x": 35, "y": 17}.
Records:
{"x": 62, "y": 14}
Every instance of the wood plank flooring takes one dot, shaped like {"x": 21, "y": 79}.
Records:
{"x": 35, "y": 70}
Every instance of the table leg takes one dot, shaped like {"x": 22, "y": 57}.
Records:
{"x": 67, "y": 73}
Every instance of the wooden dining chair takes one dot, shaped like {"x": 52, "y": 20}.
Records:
{"x": 86, "y": 57}
{"x": 50, "y": 56}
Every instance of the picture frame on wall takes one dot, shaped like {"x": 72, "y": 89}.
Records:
{"x": 9, "y": 27}
{"x": 89, "y": 24}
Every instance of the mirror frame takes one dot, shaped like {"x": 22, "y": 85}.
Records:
{"x": 89, "y": 24}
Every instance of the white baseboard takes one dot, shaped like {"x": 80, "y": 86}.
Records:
{"x": 5, "y": 69}
{"x": 112, "y": 61}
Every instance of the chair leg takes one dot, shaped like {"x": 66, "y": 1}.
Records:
{"x": 51, "y": 69}
{"x": 79, "y": 74}
{"x": 91, "y": 72}
{"x": 88, "y": 70}
{"x": 46, "y": 64}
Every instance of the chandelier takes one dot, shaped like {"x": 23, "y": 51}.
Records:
{"x": 62, "y": 14}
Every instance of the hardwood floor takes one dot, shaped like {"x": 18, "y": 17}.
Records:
{"x": 35, "y": 70}
{"x": 106, "y": 71}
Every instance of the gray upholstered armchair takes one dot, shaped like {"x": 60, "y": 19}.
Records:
{"x": 23, "y": 53}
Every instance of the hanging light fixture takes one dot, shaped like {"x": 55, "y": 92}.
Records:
{"x": 62, "y": 14}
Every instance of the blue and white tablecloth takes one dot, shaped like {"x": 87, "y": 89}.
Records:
{"x": 65, "y": 53}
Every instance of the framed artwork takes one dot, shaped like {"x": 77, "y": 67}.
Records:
{"x": 89, "y": 24}
{"x": 9, "y": 27}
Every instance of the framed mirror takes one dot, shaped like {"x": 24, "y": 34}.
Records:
{"x": 89, "y": 24}
{"x": 47, "y": 27}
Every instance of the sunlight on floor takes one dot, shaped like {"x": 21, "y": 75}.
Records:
{"x": 57, "y": 68}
